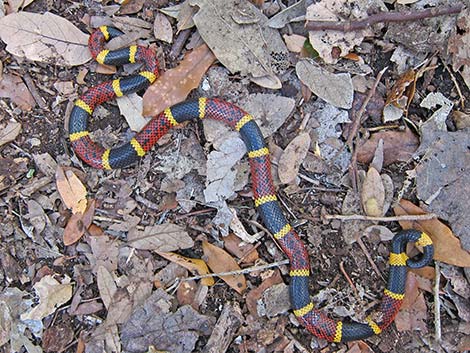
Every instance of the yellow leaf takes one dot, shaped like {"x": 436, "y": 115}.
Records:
{"x": 447, "y": 247}
{"x": 71, "y": 190}
{"x": 196, "y": 266}
{"x": 221, "y": 261}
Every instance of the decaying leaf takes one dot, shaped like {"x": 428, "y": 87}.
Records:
{"x": 78, "y": 223}
{"x": 13, "y": 87}
{"x": 44, "y": 37}
{"x": 71, "y": 190}
{"x": 219, "y": 260}
{"x": 161, "y": 237}
{"x": 174, "y": 85}
{"x": 52, "y": 294}
{"x": 373, "y": 194}
{"x": 447, "y": 247}
{"x": 154, "y": 324}
{"x": 398, "y": 146}
{"x": 292, "y": 157}
{"x": 196, "y": 266}
{"x": 9, "y": 133}
{"x": 237, "y": 33}
{"x": 336, "y": 89}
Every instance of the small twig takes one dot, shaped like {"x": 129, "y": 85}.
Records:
{"x": 369, "y": 258}
{"x": 179, "y": 43}
{"x": 358, "y": 217}
{"x": 195, "y": 213}
{"x": 456, "y": 84}
{"x": 437, "y": 303}
{"x": 238, "y": 272}
{"x": 360, "y": 112}
{"x": 34, "y": 91}
{"x": 382, "y": 17}
{"x": 345, "y": 274}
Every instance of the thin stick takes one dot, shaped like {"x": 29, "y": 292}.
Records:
{"x": 369, "y": 258}
{"x": 238, "y": 272}
{"x": 382, "y": 17}
{"x": 34, "y": 91}
{"x": 358, "y": 217}
{"x": 360, "y": 112}
{"x": 456, "y": 84}
{"x": 437, "y": 304}
{"x": 345, "y": 274}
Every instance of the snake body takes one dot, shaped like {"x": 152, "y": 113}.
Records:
{"x": 264, "y": 194}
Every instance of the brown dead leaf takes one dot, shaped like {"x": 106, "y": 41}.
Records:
{"x": 174, "y": 85}
{"x": 447, "y": 247}
{"x": 413, "y": 312}
{"x": 219, "y": 260}
{"x": 404, "y": 86}
{"x": 13, "y": 87}
{"x": 373, "y": 194}
{"x": 78, "y": 223}
{"x": 196, "y": 266}
{"x": 255, "y": 294}
{"x": 71, "y": 190}
{"x": 9, "y": 133}
{"x": 398, "y": 146}
{"x": 359, "y": 347}
{"x": 247, "y": 253}
{"x": 186, "y": 293}
{"x": 293, "y": 155}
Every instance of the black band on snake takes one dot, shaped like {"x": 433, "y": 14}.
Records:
{"x": 263, "y": 188}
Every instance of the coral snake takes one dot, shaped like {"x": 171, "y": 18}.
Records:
{"x": 265, "y": 198}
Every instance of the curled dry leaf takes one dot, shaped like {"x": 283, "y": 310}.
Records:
{"x": 221, "y": 261}
{"x": 160, "y": 237}
{"x": 293, "y": 155}
{"x": 400, "y": 96}
{"x": 174, "y": 85}
{"x": 71, "y": 190}
{"x": 196, "y": 266}
{"x": 44, "y": 37}
{"x": 373, "y": 194}
{"x": 447, "y": 247}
